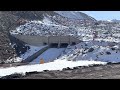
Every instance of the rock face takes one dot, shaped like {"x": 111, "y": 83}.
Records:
{"x": 5, "y": 49}
{"x": 9, "y": 20}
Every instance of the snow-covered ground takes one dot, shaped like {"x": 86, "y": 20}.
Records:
{"x": 43, "y": 29}
{"x": 56, "y": 65}
{"x": 103, "y": 43}
{"x": 49, "y": 55}
{"x": 104, "y": 48}
{"x": 47, "y": 20}
{"x": 31, "y": 51}
{"x": 93, "y": 50}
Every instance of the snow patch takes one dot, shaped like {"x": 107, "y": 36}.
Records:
{"x": 43, "y": 29}
{"x": 95, "y": 50}
{"x": 31, "y": 51}
{"x": 56, "y": 65}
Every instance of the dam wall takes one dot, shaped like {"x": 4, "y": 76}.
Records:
{"x": 44, "y": 40}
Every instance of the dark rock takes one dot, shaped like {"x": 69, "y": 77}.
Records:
{"x": 113, "y": 48}
{"x": 109, "y": 63}
{"x": 29, "y": 73}
{"x": 113, "y": 63}
{"x": 95, "y": 65}
{"x": 45, "y": 70}
{"x": 91, "y": 49}
{"x": 86, "y": 45}
{"x": 108, "y": 53}
{"x": 12, "y": 76}
{"x": 75, "y": 67}
{"x": 67, "y": 68}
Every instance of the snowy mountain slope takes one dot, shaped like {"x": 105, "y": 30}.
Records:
{"x": 74, "y": 15}
{"x": 55, "y": 21}
{"x": 30, "y": 15}
{"x": 70, "y": 14}
{"x": 9, "y": 20}
{"x": 50, "y": 26}
{"x": 104, "y": 48}
{"x": 58, "y": 24}
{"x": 115, "y": 20}
{"x": 85, "y": 32}
{"x": 100, "y": 51}
{"x": 43, "y": 29}
{"x": 46, "y": 22}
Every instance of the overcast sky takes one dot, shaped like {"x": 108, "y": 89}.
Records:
{"x": 104, "y": 15}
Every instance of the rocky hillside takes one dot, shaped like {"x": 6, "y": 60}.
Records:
{"x": 9, "y": 20}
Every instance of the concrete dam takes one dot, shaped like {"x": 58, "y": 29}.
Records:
{"x": 37, "y": 40}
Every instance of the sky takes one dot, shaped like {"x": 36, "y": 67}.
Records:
{"x": 104, "y": 15}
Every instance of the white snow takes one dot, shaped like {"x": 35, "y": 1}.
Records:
{"x": 114, "y": 57}
{"x": 31, "y": 51}
{"x": 81, "y": 52}
{"x": 49, "y": 55}
{"x": 43, "y": 29}
{"x": 56, "y": 65}
{"x": 16, "y": 59}
{"x": 47, "y": 20}
{"x": 109, "y": 20}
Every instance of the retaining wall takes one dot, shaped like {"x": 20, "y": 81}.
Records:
{"x": 37, "y": 40}
{"x": 35, "y": 55}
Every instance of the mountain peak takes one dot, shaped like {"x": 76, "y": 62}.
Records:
{"x": 74, "y": 15}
